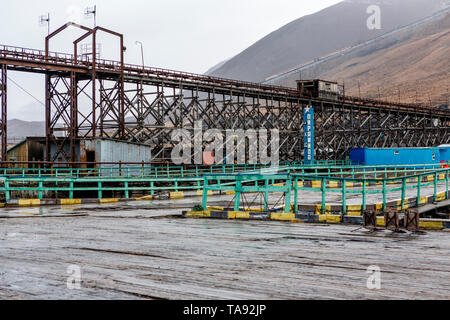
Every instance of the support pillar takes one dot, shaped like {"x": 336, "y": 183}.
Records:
{"x": 3, "y": 121}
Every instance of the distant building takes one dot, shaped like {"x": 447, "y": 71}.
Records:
{"x": 30, "y": 149}
{"x": 90, "y": 151}
{"x": 318, "y": 89}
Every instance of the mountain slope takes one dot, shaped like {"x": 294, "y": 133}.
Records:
{"x": 412, "y": 66}
{"x": 334, "y": 28}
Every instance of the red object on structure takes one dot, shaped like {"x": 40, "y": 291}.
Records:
{"x": 208, "y": 158}
{"x": 443, "y": 165}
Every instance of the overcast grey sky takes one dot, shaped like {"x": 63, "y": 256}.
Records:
{"x": 188, "y": 35}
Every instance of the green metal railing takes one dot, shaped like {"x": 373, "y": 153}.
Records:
{"x": 144, "y": 170}
{"x": 410, "y": 177}
{"x": 177, "y": 178}
{"x": 345, "y": 186}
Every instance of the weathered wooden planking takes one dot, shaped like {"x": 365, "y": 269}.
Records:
{"x": 128, "y": 252}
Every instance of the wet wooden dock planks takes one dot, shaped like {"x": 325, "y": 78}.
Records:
{"x": 131, "y": 251}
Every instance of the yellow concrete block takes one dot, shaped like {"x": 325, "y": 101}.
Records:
{"x": 317, "y": 184}
{"x": 29, "y": 202}
{"x": 349, "y": 184}
{"x": 70, "y": 201}
{"x": 441, "y": 176}
{"x": 278, "y": 185}
{"x": 423, "y": 200}
{"x": 206, "y": 214}
{"x": 198, "y": 214}
{"x": 430, "y": 224}
{"x": 216, "y": 208}
{"x": 354, "y": 213}
{"x": 329, "y": 218}
{"x": 2, "y": 205}
{"x": 282, "y": 216}
{"x": 299, "y": 184}
{"x": 254, "y": 209}
{"x": 333, "y": 184}
{"x": 111, "y": 200}
{"x": 200, "y": 193}
{"x": 399, "y": 203}
{"x": 319, "y": 209}
{"x": 430, "y": 178}
{"x": 378, "y": 207}
{"x": 440, "y": 196}
{"x": 354, "y": 208}
{"x": 230, "y": 192}
{"x": 231, "y": 214}
{"x": 176, "y": 195}
{"x": 145, "y": 198}
{"x": 333, "y": 218}
{"x": 242, "y": 215}
{"x": 380, "y": 221}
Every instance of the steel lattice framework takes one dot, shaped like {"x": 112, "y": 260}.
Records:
{"x": 142, "y": 104}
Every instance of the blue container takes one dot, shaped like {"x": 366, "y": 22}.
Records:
{"x": 444, "y": 153}
{"x": 398, "y": 156}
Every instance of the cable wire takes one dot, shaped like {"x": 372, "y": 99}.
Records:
{"x": 18, "y": 85}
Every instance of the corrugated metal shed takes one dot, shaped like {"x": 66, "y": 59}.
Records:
{"x": 108, "y": 150}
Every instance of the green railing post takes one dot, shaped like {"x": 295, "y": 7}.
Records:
{"x": 295, "y": 194}
{"x": 384, "y": 195}
{"x": 237, "y": 195}
{"x": 323, "y": 188}
{"x": 364, "y": 195}
{"x": 419, "y": 183}
{"x": 152, "y": 188}
{"x": 127, "y": 192}
{"x": 344, "y": 196}
{"x": 7, "y": 191}
{"x": 71, "y": 190}
{"x": 403, "y": 193}
{"x": 205, "y": 194}
{"x": 100, "y": 194}
{"x": 40, "y": 190}
{"x": 435, "y": 186}
{"x": 287, "y": 197}
{"x": 446, "y": 184}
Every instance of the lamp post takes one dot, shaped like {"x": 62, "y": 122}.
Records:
{"x": 142, "y": 53}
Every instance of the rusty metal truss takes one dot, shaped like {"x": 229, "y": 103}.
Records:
{"x": 142, "y": 104}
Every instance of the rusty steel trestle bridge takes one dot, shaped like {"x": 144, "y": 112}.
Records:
{"x": 143, "y": 104}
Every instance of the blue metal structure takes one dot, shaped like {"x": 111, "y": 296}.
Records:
{"x": 397, "y": 156}
{"x": 308, "y": 137}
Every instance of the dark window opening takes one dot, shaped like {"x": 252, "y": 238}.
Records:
{"x": 90, "y": 157}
